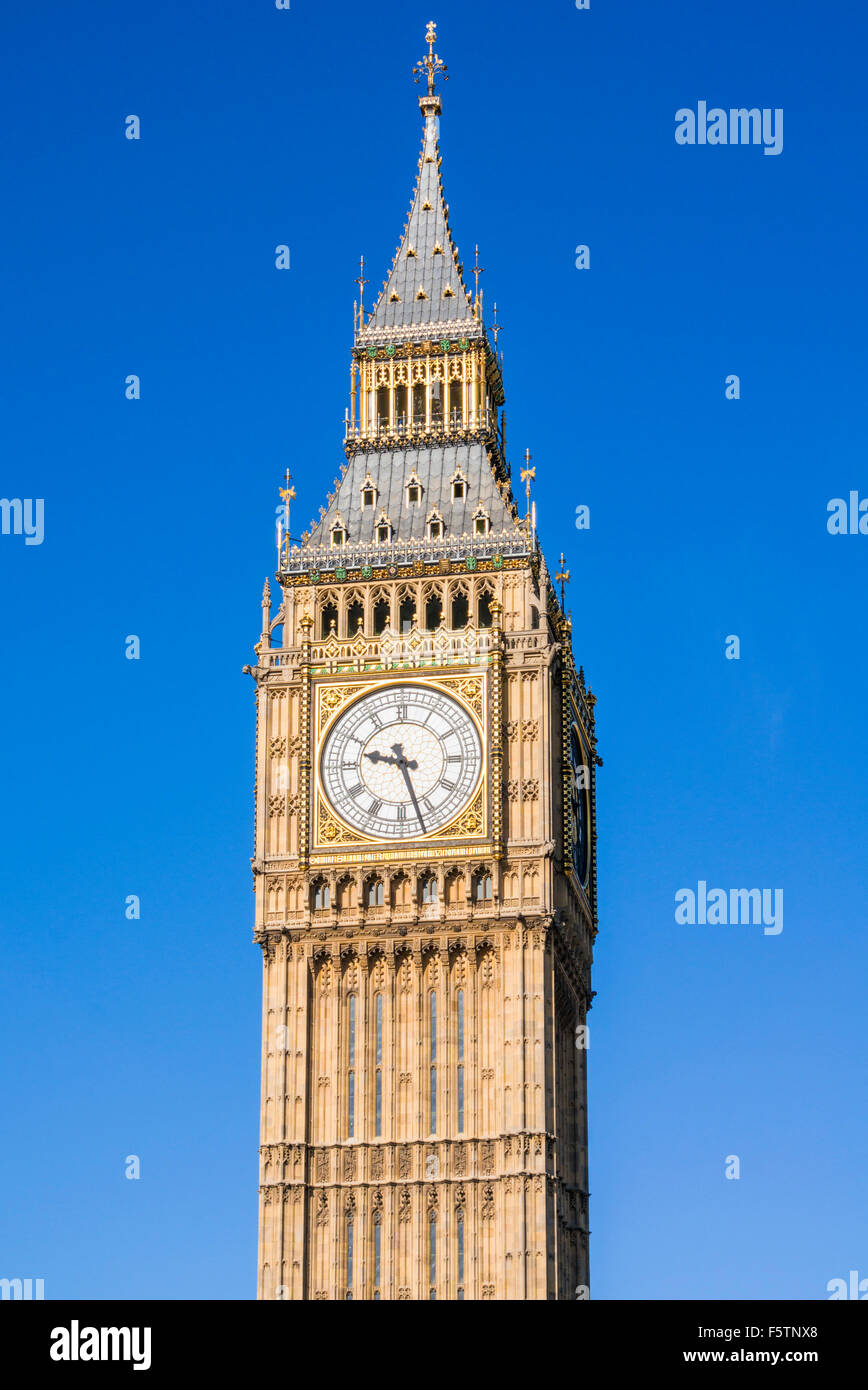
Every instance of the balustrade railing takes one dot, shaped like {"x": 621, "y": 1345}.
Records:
{"x": 316, "y": 559}
{"x": 419, "y": 426}
{"x": 416, "y": 647}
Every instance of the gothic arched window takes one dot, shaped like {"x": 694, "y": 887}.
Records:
{"x": 329, "y": 619}
{"x": 436, "y": 402}
{"x": 321, "y": 896}
{"x": 454, "y": 882}
{"x": 433, "y": 613}
{"x": 482, "y": 887}
{"x": 382, "y": 615}
{"x": 460, "y": 611}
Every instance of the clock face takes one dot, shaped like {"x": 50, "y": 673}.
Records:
{"x": 579, "y": 817}
{"x": 401, "y": 762}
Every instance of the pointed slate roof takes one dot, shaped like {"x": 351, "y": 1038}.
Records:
{"x": 425, "y": 287}
{"x": 434, "y": 468}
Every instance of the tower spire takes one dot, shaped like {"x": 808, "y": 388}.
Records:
{"x": 425, "y": 285}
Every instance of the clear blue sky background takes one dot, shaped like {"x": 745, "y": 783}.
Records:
{"x": 708, "y": 517}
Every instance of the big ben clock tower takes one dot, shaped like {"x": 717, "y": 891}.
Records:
{"x": 425, "y": 840}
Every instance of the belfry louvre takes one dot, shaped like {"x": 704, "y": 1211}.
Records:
{"x": 424, "y": 867}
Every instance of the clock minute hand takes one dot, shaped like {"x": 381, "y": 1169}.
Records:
{"x": 405, "y": 764}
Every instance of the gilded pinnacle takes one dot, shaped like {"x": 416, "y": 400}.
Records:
{"x": 431, "y": 65}
{"x": 563, "y": 578}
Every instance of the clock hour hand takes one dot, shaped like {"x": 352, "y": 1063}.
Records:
{"x": 376, "y": 757}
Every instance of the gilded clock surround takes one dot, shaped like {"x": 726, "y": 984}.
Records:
{"x": 470, "y": 822}
{"x": 410, "y": 1150}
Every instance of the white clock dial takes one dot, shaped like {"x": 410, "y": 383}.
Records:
{"x": 401, "y": 761}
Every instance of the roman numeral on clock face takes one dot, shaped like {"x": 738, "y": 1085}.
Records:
{"x": 356, "y": 790}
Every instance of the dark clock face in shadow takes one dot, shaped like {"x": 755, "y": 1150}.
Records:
{"x": 579, "y": 815}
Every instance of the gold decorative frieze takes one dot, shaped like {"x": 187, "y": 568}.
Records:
{"x": 331, "y": 699}
{"x": 331, "y": 831}
{"x": 471, "y": 822}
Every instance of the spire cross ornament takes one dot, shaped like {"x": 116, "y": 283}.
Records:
{"x": 562, "y": 577}
{"x": 431, "y": 63}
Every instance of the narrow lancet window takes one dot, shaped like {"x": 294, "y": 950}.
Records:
{"x": 378, "y": 1081}
{"x": 460, "y": 1061}
{"x": 432, "y": 1033}
{"x": 351, "y": 1068}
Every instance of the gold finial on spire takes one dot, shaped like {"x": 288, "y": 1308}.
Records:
{"x": 527, "y": 476}
{"x": 287, "y": 493}
{"x": 562, "y": 577}
{"x": 477, "y": 271}
{"x": 431, "y": 63}
{"x": 361, "y": 282}
{"x": 496, "y": 327}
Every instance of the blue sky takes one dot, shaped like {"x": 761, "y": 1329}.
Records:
{"x": 708, "y": 518}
